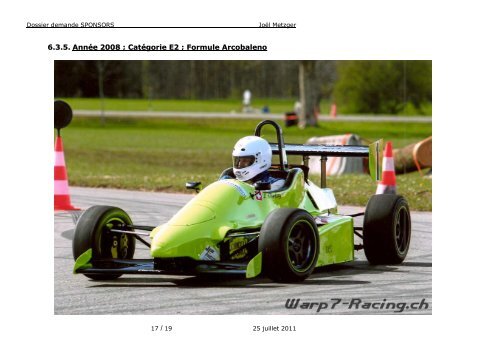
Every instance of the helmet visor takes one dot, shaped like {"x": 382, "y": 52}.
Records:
{"x": 243, "y": 161}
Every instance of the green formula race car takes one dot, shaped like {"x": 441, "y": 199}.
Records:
{"x": 233, "y": 227}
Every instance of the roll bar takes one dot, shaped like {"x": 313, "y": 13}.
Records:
{"x": 281, "y": 142}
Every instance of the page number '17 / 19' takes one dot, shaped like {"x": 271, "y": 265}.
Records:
{"x": 161, "y": 328}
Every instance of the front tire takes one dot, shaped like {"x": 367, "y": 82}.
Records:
{"x": 93, "y": 232}
{"x": 289, "y": 243}
{"x": 386, "y": 229}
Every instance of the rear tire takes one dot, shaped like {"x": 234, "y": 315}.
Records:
{"x": 93, "y": 232}
{"x": 289, "y": 243}
{"x": 386, "y": 229}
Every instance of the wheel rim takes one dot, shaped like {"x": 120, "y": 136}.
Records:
{"x": 113, "y": 245}
{"x": 402, "y": 230}
{"x": 301, "y": 246}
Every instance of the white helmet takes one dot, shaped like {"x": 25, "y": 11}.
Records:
{"x": 252, "y": 155}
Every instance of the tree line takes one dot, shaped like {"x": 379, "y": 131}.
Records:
{"x": 355, "y": 86}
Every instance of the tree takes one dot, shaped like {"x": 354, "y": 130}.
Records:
{"x": 309, "y": 93}
{"x": 382, "y": 87}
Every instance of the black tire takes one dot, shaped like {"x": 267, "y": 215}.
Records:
{"x": 386, "y": 229}
{"x": 289, "y": 243}
{"x": 92, "y": 232}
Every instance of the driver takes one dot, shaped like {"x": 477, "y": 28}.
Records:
{"x": 251, "y": 160}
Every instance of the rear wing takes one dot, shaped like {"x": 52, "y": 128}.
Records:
{"x": 373, "y": 152}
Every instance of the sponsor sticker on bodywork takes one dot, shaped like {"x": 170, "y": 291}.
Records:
{"x": 210, "y": 254}
{"x": 237, "y": 244}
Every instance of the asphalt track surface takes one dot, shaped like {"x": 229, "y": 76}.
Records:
{"x": 361, "y": 287}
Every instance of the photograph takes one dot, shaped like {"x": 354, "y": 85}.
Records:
{"x": 242, "y": 187}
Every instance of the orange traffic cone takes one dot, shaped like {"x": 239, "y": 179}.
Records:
{"x": 62, "y": 200}
{"x": 388, "y": 183}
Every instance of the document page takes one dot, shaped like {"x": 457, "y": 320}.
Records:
{"x": 195, "y": 175}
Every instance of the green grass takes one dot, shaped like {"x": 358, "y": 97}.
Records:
{"x": 179, "y": 105}
{"x": 162, "y": 155}
{"x": 357, "y": 189}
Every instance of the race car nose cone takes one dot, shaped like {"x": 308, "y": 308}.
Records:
{"x": 194, "y": 214}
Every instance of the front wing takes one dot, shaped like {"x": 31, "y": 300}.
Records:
{"x": 85, "y": 265}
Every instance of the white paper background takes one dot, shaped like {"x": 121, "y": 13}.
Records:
{"x": 461, "y": 38}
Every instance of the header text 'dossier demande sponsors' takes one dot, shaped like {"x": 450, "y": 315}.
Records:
{"x": 113, "y": 25}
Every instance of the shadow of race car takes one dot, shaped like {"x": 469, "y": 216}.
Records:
{"x": 233, "y": 227}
